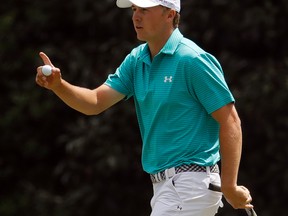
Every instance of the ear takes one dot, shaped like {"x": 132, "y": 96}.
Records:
{"x": 171, "y": 14}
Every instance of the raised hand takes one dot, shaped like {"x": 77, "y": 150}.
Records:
{"x": 52, "y": 81}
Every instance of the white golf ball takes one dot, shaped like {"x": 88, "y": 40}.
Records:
{"x": 47, "y": 70}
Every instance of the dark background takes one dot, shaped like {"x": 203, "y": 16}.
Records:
{"x": 55, "y": 161}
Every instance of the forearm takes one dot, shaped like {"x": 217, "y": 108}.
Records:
{"x": 87, "y": 101}
{"x": 81, "y": 99}
{"x": 230, "y": 149}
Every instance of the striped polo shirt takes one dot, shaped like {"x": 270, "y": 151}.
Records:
{"x": 174, "y": 95}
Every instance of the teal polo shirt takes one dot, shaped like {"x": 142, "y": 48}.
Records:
{"x": 174, "y": 95}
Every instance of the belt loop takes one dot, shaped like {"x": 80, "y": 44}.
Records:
{"x": 208, "y": 171}
{"x": 169, "y": 173}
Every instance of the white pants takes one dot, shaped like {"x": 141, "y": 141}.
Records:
{"x": 186, "y": 194}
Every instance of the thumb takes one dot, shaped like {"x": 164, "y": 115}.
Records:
{"x": 45, "y": 59}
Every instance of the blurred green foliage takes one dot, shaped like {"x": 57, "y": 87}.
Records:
{"x": 55, "y": 161}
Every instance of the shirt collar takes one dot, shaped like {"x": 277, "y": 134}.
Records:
{"x": 172, "y": 43}
{"x": 169, "y": 48}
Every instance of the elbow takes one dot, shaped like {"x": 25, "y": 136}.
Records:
{"x": 92, "y": 112}
{"x": 236, "y": 120}
{"x": 89, "y": 114}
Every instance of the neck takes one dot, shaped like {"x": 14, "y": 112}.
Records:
{"x": 156, "y": 45}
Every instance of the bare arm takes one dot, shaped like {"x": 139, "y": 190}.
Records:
{"x": 87, "y": 101}
{"x": 230, "y": 149}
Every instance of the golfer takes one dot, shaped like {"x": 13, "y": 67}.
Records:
{"x": 185, "y": 110}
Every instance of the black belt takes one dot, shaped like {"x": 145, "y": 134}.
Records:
{"x": 161, "y": 176}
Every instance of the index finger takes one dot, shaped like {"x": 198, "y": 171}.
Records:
{"x": 45, "y": 59}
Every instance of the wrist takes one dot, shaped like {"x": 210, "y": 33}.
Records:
{"x": 58, "y": 86}
{"x": 228, "y": 189}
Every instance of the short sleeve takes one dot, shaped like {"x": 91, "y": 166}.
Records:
{"x": 208, "y": 83}
{"x": 122, "y": 79}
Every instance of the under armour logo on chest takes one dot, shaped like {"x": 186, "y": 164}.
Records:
{"x": 168, "y": 79}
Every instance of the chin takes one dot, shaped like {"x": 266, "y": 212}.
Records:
{"x": 141, "y": 38}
